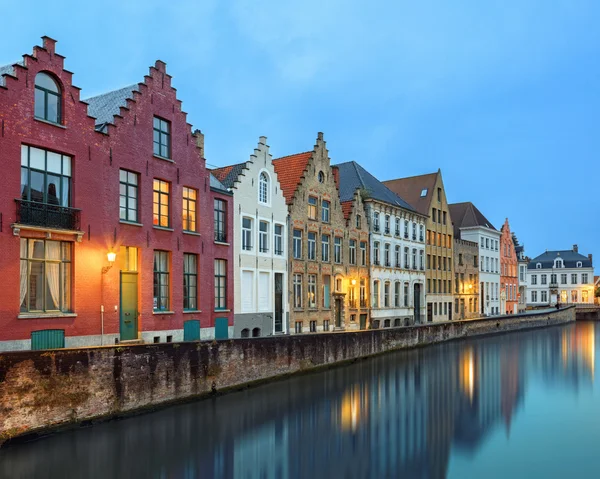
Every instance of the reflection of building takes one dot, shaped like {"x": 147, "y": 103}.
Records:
{"x": 564, "y": 276}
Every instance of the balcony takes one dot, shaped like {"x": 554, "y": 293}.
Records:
{"x": 49, "y": 216}
{"x": 220, "y": 236}
{"x": 352, "y": 303}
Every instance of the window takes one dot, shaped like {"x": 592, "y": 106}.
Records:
{"x": 189, "y": 209}
{"x": 312, "y": 291}
{"x": 397, "y": 294}
{"x": 397, "y": 227}
{"x": 45, "y": 277}
{"x": 325, "y": 239}
{"x": 358, "y": 221}
{"x": 534, "y": 296}
{"x": 421, "y": 234}
{"x": 386, "y": 294}
{"x": 337, "y": 250}
{"x": 423, "y": 192}
{"x": 414, "y": 231}
{"x": 297, "y": 243}
{"x": 397, "y": 254}
{"x": 406, "y": 264}
{"x": 538, "y": 266}
{"x": 553, "y": 279}
{"x": 422, "y": 260}
{"x": 128, "y": 195}
{"x": 352, "y": 251}
{"x": 312, "y": 208}
{"x": 433, "y": 215}
{"x": 406, "y": 229}
{"x": 161, "y": 204}
{"x": 386, "y": 255}
{"x": 376, "y": 253}
{"x": 247, "y": 234}
{"x": 263, "y": 188}
{"x": 544, "y": 296}
{"x": 579, "y": 264}
{"x": 298, "y": 327}
{"x": 45, "y": 177}
{"x": 326, "y": 291}
{"x": 321, "y": 177}
{"x": 574, "y": 278}
{"x": 376, "y": 294}
{"x": 190, "y": 281}
{"x": 325, "y": 205}
{"x": 363, "y": 293}
{"x": 278, "y": 240}
{"x": 563, "y": 278}
{"x": 162, "y": 138}
{"x": 263, "y": 236}
{"x": 487, "y": 243}
{"x": 246, "y": 291}
{"x": 439, "y": 195}
{"x": 220, "y": 284}
{"x": 161, "y": 280}
{"x": 584, "y": 278}
{"x": 387, "y": 224}
{"x": 220, "y": 231}
{"x": 297, "y": 291}
{"x": 460, "y": 259}
{"x": 363, "y": 253}
{"x": 376, "y": 222}
{"x": 434, "y": 258}
{"x": 48, "y": 98}
{"x": 444, "y": 218}
{"x": 543, "y": 278}
{"x": 584, "y": 296}
{"x": 406, "y": 295}
{"x": 313, "y": 326}
{"x": 312, "y": 245}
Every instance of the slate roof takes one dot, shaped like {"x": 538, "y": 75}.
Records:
{"x": 8, "y": 70}
{"x": 216, "y": 184}
{"x": 410, "y": 189}
{"x": 465, "y": 215}
{"x": 228, "y": 174}
{"x": 353, "y": 176}
{"x": 104, "y": 107}
{"x": 569, "y": 257}
{"x": 289, "y": 171}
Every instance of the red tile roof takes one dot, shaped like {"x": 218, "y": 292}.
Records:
{"x": 347, "y": 208}
{"x": 222, "y": 173}
{"x": 289, "y": 171}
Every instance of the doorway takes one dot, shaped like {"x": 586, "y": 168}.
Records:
{"x": 363, "y": 321}
{"x": 429, "y": 312}
{"x": 128, "y": 320}
{"x": 338, "y": 312}
{"x": 417, "y": 303}
{"x": 278, "y": 302}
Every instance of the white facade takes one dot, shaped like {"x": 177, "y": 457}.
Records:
{"x": 522, "y": 265}
{"x": 397, "y": 265}
{"x": 489, "y": 266}
{"x": 565, "y": 282}
{"x": 260, "y": 248}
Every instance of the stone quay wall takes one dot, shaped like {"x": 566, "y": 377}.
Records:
{"x": 46, "y": 390}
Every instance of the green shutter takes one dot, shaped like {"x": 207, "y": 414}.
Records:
{"x": 48, "y": 339}
{"x": 191, "y": 330}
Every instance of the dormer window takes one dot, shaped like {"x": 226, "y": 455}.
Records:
{"x": 579, "y": 264}
{"x": 558, "y": 263}
{"x": 538, "y": 266}
{"x": 423, "y": 192}
{"x": 263, "y": 188}
{"x": 48, "y": 98}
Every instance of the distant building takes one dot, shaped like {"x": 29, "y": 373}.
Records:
{"x": 509, "y": 280}
{"x": 471, "y": 225}
{"x": 564, "y": 276}
{"x": 427, "y": 195}
{"x": 397, "y": 244}
{"x": 522, "y": 261}
{"x": 260, "y": 245}
{"x": 466, "y": 279}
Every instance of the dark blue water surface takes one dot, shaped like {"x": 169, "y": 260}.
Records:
{"x": 510, "y": 406}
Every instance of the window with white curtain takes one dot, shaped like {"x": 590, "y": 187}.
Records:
{"x": 263, "y": 188}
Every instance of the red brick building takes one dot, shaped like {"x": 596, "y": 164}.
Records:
{"x": 102, "y": 229}
{"x": 509, "y": 270}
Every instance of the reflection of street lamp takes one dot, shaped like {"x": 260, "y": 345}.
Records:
{"x": 111, "y": 256}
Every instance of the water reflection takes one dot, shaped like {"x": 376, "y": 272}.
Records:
{"x": 400, "y": 415}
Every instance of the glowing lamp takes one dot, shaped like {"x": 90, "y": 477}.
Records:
{"x": 353, "y": 282}
{"x": 111, "y": 256}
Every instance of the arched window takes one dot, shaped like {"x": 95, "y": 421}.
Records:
{"x": 263, "y": 188}
{"x": 256, "y": 333}
{"x": 245, "y": 333}
{"x": 321, "y": 177}
{"x": 47, "y": 98}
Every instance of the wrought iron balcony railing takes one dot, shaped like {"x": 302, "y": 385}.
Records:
{"x": 220, "y": 236}
{"x": 46, "y": 215}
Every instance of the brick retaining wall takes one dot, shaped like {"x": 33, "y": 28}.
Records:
{"x": 41, "y": 390}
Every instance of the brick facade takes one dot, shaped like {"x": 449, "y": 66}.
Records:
{"x": 466, "y": 279}
{"x": 509, "y": 273}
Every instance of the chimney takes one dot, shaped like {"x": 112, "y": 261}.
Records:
{"x": 575, "y": 249}
{"x": 590, "y": 258}
{"x": 199, "y": 136}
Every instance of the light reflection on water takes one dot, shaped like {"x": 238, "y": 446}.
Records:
{"x": 455, "y": 410}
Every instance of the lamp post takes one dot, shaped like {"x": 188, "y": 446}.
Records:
{"x": 111, "y": 256}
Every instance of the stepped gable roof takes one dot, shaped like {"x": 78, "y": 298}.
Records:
{"x": 569, "y": 257}
{"x": 228, "y": 174}
{"x": 466, "y": 215}
{"x": 352, "y": 176}
{"x": 416, "y": 190}
{"x": 8, "y": 70}
{"x": 289, "y": 171}
{"x": 105, "y": 106}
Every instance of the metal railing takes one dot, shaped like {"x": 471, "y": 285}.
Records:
{"x": 220, "y": 236}
{"x": 48, "y": 216}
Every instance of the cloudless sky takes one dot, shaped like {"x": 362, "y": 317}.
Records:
{"x": 502, "y": 95}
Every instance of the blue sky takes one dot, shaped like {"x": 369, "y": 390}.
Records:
{"x": 503, "y": 96}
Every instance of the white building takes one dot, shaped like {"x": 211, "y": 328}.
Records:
{"x": 563, "y": 276}
{"x": 260, "y": 245}
{"x": 471, "y": 225}
{"x": 522, "y": 261}
{"x": 397, "y": 245}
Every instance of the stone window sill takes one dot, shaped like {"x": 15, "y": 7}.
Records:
{"x": 162, "y": 228}
{"x": 191, "y": 311}
{"x": 163, "y": 158}
{"x": 131, "y": 223}
{"x": 163, "y": 312}
{"x": 46, "y": 315}
{"x": 222, "y": 244}
{"x": 222, "y": 311}
{"x": 193, "y": 233}
{"x": 41, "y": 120}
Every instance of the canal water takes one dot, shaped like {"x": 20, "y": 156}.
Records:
{"x": 520, "y": 405}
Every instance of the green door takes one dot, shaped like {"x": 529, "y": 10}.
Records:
{"x": 48, "y": 339}
{"x": 221, "y": 328}
{"x": 129, "y": 306}
{"x": 191, "y": 330}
